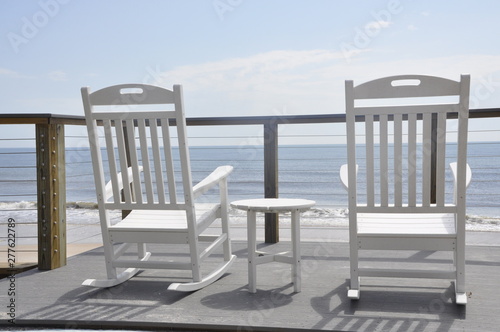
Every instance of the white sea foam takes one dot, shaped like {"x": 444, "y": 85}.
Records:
{"x": 85, "y": 213}
{"x": 480, "y": 223}
{"x": 23, "y": 205}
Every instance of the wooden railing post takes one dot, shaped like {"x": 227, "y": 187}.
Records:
{"x": 271, "y": 179}
{"x": 51, "y": 192}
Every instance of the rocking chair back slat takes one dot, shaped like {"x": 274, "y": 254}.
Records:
{"x": 169, "y": 160}
{"x": 426, "y": 159}
{"x": 384, "y": 161}
{"x": 143, "y": 139}
{"x": 122, "y": 161}
{"x": 398, "y": 160}
{"x": 412, "y": 160}
{"x": 370, "y": 177}
{"x": 155, "y": 147}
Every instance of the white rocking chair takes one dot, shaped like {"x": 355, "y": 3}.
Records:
{"x": 398, "y": 141}
{"x": 141, "y": 180}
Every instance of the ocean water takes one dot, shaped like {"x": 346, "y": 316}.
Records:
{"x": 305, "y": 171}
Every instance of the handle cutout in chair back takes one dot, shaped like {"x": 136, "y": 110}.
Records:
{"x": 407, "y": 82}
{"x": 131, "y": 91}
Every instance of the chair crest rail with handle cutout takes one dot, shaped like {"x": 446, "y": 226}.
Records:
{"x": 134, "y": 170}
{"x": 399, "y": 139}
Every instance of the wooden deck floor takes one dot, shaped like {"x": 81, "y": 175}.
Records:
{"x": 56, "y": 299}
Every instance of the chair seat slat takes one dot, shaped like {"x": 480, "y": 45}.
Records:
{"x": 403, "y": 223}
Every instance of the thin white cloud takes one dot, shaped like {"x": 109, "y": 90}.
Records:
{"x": 52, "y": 105}
{"x": 451, "y": 67}
{"x": 303, "y": 82}
{"x": 11, "y": 74}
{"x": 252, "y": 85}
{"x": 58, "y": 75}
{"x": 271, "y": 67}
{"x": 412, "y": 27}
{"x": 7, "y": 72}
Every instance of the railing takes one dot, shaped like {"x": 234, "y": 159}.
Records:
{"x": 51, "y": 168}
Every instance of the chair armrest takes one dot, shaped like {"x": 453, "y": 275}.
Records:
{"x": 344, "y": 175}
{"x": 108, "y": 190}
{"x": 218, "y": 175}
{"x": 468, "y": 178}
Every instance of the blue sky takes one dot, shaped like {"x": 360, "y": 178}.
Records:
{"x": 240, "y": 57}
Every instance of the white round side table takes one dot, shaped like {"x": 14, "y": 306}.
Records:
{"x": 252, "y": 206}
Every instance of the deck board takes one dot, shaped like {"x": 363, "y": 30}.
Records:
{"x": 55, "y": 298}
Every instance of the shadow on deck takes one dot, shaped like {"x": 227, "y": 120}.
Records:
{"x": 57, "y": 299}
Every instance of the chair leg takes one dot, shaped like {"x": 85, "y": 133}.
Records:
{"x": 195, "y": 260}
{"x": 226, "y": 248}
{"x": 225, "y": 221}
{"x": 109, "y": 254}
{"x": 195, "y": 268}
{"x": 141, "y": 250}
{"x": 354, "y": 292}
{"x": 460, "y": 294}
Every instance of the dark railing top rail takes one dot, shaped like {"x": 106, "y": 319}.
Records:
{"x": 47, "y": 118}
{"x": 41, "y": 118}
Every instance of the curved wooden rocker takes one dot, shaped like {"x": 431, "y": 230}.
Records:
{"x": 136, "y": 157}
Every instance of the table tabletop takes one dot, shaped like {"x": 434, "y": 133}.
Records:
{"x": 273, "y": 204}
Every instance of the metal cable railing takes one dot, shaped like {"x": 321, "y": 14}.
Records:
{"x": 18, "y": 195}
{"x": 310, "y": 150}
